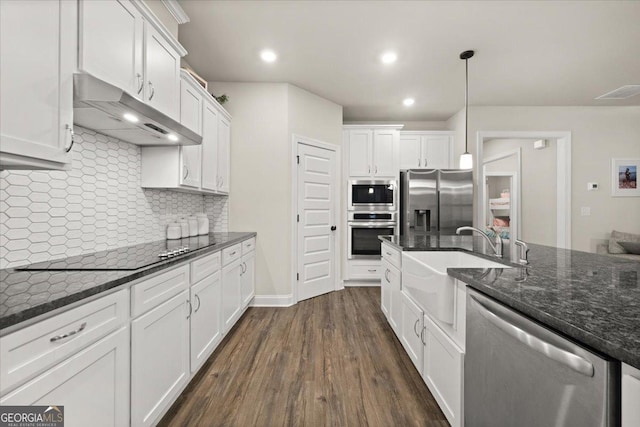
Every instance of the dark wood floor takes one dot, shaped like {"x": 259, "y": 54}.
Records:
{"x": 331, "y": 360}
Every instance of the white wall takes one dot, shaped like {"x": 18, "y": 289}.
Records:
{"x": 162, "y": 13}
{"x": 265, "y": 115}
{"x": 598, "y": 134}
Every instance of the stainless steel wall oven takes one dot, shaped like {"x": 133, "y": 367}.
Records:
{"x": 363, "y": 231}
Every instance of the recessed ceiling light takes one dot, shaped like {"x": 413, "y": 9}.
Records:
{"x": 408, "y": 102}
{"x": 130, "y": 117}
{"x": 172, "y": 137}
{"x": 389, "y": 57}
{"x": 268, "y": 55}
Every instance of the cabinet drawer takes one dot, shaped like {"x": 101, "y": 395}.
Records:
{"x": 231, "y": 254}
{"x": 29, "y": 351}
{"x": 392, "y": 255}
{"x": 158, "y": 289}
{"x": 366, "y": 271}
{"x": 248, "y": 245}
{"x": 205, "y": 266}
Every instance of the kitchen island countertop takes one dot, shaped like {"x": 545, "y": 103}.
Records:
{"x": 590, "y": 298}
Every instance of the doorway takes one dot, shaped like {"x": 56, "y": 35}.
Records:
{"x": 316, "y": 205}
{"x": 561, "y": 199}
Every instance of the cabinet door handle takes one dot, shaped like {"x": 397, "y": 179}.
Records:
{"x": 422, "y": 336}
{"x": 415, "y": 325}
{"x": 140, "y": 83}
{"x": 418, "y": 162}
{"x": 73, "y": 139}
{"x": 190, "y": 309}
{"x": 68, "y": 334}
{"x": 221, "y": 181}
{"x": 376, "y": 171}
{"x": 425, "y": 162}
{"x": 153, "y": 90}
{"x": 386, "y": 275}
{"x": 186, "y": 172}
{"x": 369, "y": 169}
{"x": 197, "y": 298}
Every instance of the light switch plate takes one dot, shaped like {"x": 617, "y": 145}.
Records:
{"x": 591, "y": 186}
{"x": 585, "y": 211}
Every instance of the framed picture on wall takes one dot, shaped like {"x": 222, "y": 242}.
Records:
{"x": 624, "y": 177}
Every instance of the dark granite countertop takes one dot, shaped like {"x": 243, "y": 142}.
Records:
{"x": 25, "y": 295}
{"x": 593, "y": 299}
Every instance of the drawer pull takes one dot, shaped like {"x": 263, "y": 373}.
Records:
{"x": 69, "y": 334}
{"x": 232, "y": 253}
{"x": 372, "y": 270}
{"x": 389, "y": 253}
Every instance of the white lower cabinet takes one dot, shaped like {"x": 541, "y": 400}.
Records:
{"x": 410, "y": 330}
{"x": 248, "y": 278}
{"x": 630, "y": 396}
{"x": 231, "y": 294}
{"x": 391, "y": 295}
{"x": 385, "y": 291}
{"x": 92, "y": 385}
{"x": 443, "y": 371}
{"x": 159, "y": 359}
{"x": 206, "y": 330}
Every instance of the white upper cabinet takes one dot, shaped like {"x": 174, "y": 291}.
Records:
{"x": 111, "y": 43}
{"x": 224, "y": 154}
{"x": 191, "y": 102}
{"x": 162, "y": 72}
{"x": 384, "y": 153}
{"x": 426, "y": 149}
{"x": 372, "y": 151}
{"x": 210, "y": 147}
{"x": 360, "y": 145}
{"x": 437, "y": 151}
{"x": 37, "y": 60}
{"x": 202, "y": 168}
{"x": 122, "y": 43}
{"x": 410, "y": 151}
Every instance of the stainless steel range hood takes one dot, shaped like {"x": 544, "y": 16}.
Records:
{"x": 110, "y": 110}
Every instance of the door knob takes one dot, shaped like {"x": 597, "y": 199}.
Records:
{"x": 333, "y": 228}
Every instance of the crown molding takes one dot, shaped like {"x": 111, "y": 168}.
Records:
{"x": 177, "y": 11}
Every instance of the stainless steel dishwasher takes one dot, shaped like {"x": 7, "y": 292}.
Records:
{"x": 519, "y": 373}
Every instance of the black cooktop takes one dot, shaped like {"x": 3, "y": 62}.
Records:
{"x": 127, "y": 258}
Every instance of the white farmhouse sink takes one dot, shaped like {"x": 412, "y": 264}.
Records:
{"x": 425, "y": 279}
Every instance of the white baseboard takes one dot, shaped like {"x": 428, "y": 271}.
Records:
{"x": 361, "y": 283}
{"x": 272, "y": 301}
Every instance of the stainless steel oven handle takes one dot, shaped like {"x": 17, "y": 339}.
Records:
{"x": 564, "y": 357}
{"x": 357, "y": 224}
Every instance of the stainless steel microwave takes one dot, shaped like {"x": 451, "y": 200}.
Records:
{"x": 372, "y": 195}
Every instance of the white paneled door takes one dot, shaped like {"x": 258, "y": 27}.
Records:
{"x": 316, "y": 221}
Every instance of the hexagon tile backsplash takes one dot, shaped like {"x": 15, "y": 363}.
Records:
{"x": 97, "y": 205}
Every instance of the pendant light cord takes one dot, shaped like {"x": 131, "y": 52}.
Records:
{"x": 466, "y": 106}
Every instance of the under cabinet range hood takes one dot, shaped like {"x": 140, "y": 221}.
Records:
{"x": 110, "y": 110}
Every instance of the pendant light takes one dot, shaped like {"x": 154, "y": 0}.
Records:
{"x": 466, "y": 159}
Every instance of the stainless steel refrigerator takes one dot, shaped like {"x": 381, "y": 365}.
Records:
{"x": 435, "y": 201}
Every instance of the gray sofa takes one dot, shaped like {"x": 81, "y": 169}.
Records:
{"x": 614, "y": 249}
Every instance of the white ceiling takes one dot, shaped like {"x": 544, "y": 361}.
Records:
{"x": 527, "y": 53}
